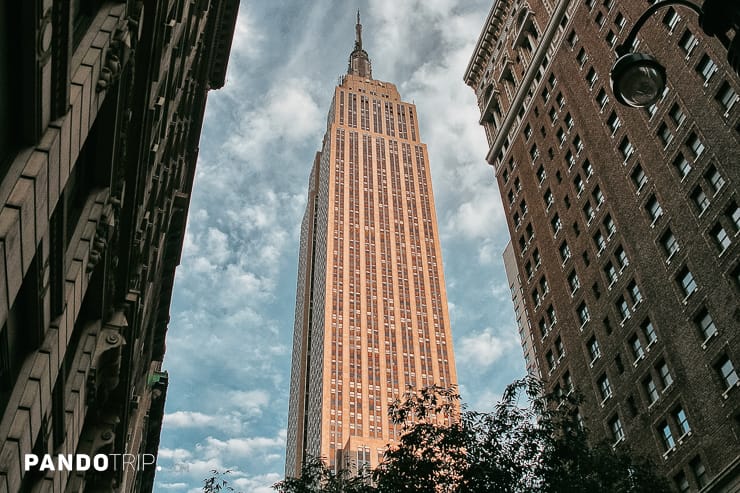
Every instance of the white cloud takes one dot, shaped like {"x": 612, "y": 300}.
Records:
{"x": 485, "y": 348}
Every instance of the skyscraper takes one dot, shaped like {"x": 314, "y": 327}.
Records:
{"x": 624, "y": 224}
{"x": 371, "y": 308}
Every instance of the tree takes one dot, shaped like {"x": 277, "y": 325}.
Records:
{"x": 530, "y": 443}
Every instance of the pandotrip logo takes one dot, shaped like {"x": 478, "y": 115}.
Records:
{"x": 84, "y": 462}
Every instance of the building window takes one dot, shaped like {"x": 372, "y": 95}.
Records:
{"x": 720, "y": 237}
{"x": 605, "y": 388}
{"x": 635, "y": 293}
{"x": 611, "y": 273}
{"x": 687, "y": 42}
{"x": 705, "y": 324}
{"x": 582, "y": 57}
{"x": 527, "y": 132}
{"x": 671, "y": 18}
{"x": 598, "y": 237}
{"x": 726, "y": 96}
{"x": 649, "y": 332}
{"x": 638, "y": 177}
{"x": 570, "y": 159}
{"x": 613, "y": 122}
{"x": 544, "y": 287}
{"x": 568, "y": 121}
{"x": 665, "y": 135}
{"x": 572, "y": 39}
{"x": 624, "y": 309}
{"x": 573, "y": 282}
{"x": 682, "y": 165}
{"x": 598, "y": 196}
{"x": 686, "y": 281}
{"x": 733, "y": 214}
{"x": 578, "y": 184}
{"x": 578, "y": 144}
{"x": 699, "y": 472}
{"x": 548, "y": 198}
{"x": 715, "y": 179}
{"x": 700, "y": 199}
{"x": 583, "y": 315}
{"x": 665, "y": 375}
{"x": 556, "y": 224}
{"x": 666, "y": 435}
{"x": 677, "y": 114}
{"x": 706, "y": 68}
{"x": 653, "y": 208}
{"x": 602, "y": 99}
{"x": 564, "y": 252}
{"x": 625, "y": 148}
{"x": 591, "y": 77}
{"x": 611, "y": 228}
{"x": 681, "y": 420}
{"x": 696, "y": 145}
{"x": 727, "y": 372}
{"x": 681, "y": 482}
{"x": 650, "y": 390}
{"x": 616, "y": 428}
{"x": 541, "y": 175}
{"x": 669, "y": 243}
{"x": 621, "y": 257}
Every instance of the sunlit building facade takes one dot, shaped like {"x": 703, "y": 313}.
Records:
{"x": 624, "y": 224}
{"x": 371, "y": 308}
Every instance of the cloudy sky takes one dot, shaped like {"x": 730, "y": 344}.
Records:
{"x": 228, "y": 346}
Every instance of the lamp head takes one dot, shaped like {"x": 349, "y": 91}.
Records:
{"x": 637, "y": 80}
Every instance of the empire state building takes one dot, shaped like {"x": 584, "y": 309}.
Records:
{"x": 371, "y": 313}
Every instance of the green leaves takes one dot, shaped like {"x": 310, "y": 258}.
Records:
{"x": 530, "y": 443}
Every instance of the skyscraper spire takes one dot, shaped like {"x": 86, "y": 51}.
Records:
{"x": 359, "y": 61}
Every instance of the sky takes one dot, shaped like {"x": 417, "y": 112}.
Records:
{"x": 230, "y": 332}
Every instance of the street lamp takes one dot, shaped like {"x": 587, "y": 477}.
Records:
{"x": 638, "y": 79}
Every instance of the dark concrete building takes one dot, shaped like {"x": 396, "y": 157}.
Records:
{"x": 101, "y": 106}
{"x": 624, "y": 224}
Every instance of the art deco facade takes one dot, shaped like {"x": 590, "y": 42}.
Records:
{"x": 101, "y": 105}
{"x": 371, "y": 308}
{"x": 624, "y": 224}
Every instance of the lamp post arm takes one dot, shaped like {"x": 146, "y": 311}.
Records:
{"x": 624, "y": 48}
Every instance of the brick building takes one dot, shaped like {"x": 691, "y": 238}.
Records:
{"x": 101, "y": 106}
{"x": 371, "y": 306}
{"x": 624, "y": 223}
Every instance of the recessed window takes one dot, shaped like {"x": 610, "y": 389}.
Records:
{"x": 700, "y": 199}
{"x": 706, "y": 68}
{"x": 653, "y": 208}
{"x": 556, "y": 224}
{"x": 602, "y": 99}
{"x": 669, "y": 243}
{"x": 605, "y": 388}
{"x": 591, "y": 77}
{"x": 611, "y": 38}
{"x": 686, "y": 281}
{"x": 560, "y": 100}
{"x": 649, "y": 332}
{"x": 681, "y": 482}
{"x": 621, "y": 257}
{"x": 564, "y": 252}
{"x": 666, "y": 435}
{"x": 677, "y": 114}
{"x": 570, "y": 159}
{"x": 651, "y": 391}
{"x": 695, "y": 144}
{"x": 572, "y": 39}
{"x": 561, "y": 136}
{"x": 671, "y": 19}
{"x": 726, "y": 371}
{"x": 715, "y": 179}
{"x": 578, "y": 184}
{"x": 588, "y": 169}
{"x": 726, "y": 96}
{"x": 720, "y": 237}
{"x": 626, "y": 148}
{"x": 687, "y": 42}
{"x": 578, "y": 144}
{"x": 733, "y": 214}
{"x": 666, "y": 379}
{"x": 665, "y": 135}
{"x": 623, "y": 308}
{"x": 573, "y": 282}
{"x": 681, "y": 420}
{"x": 598, "y": 237}
{"x": 613, "y": 122}
{"x": 615, "y": 425}
{"x": 682, "y": 166}
{"x": 582, "y": 57}
{"x": 635, "y": 293}
{"x": 527, "y": 131}
{"x": 599, "y": 19}
{"x": 699, "y": 472}
{"x": 548, "y": 198}
{"x": 705, "y": 324}
{"x": 610, "y": 272}
{"x": 568, "y": 121}
{"x": 583, "y": 315}
{"x": 636, "y": 346}
{"x": 638, "y": 177}
{"x": 541, "y": 175}
{"x": 611, "y": 228}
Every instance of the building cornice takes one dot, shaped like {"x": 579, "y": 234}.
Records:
{"x": 484, "y": 46}
{"x": 542, "y": 47}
